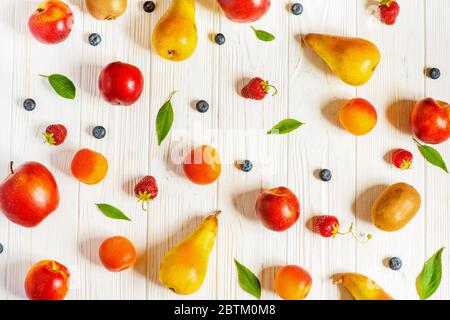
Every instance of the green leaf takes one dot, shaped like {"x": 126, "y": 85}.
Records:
{"x": 164, "y": 119}
{"x": 285, "y": 126}
{"x": 431, "y": 155}
{"x": 62, "y": 85}
{"x": 248, "y": 281}
{"x": 112, "y": 212}
{"x": 263, "y": 35}
{"x": 429, "y": 279}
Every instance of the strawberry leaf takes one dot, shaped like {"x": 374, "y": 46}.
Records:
{"x": 285, "y": 126}
{"x": 263, "y": 35}
{"x": 62, "y": 85}
{"x": 112, "y": 212}
{"x": 164, "y": 120}
{"x": 431, "y": 155}
{"x": 247, "y": 280}
{"x": 430, "y": 277}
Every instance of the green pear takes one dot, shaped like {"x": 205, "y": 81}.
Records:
{"x": 354, "y": 60}
{"x": 183, "y": 268}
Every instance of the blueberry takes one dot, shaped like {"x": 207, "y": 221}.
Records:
{"x": 435, "y": 73}
{"x": 99, "y": 132}
{"x": 325, "y": 175}
{"x": 95, "y": 39}
{"x": 246, "y": 166}
{"x": 1, "y": 248}
{"x": 395, "y": 263}
{"x": 297, "y": 9}
{"x": 29, "y": 104}
{"x": 202, "y": 106}
{"x": 219, "y": 39}
{"x": 149, "y": 6}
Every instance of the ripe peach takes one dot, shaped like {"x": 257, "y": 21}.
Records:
{"x": 47, "y": 280}
{"x": 117, "y": 254}
{"x": 202, "y": 165}
{"x": 292, "y": 283}
{"x": 89, "y": 167}
{"x": 52, "y": 22}
{"x": 358, "y": 117}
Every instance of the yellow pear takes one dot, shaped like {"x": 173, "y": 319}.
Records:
{"x": 106, "y": 9}
{"x": 361, "y": 287}
{"x": 183, "y": 268}
{"x": 175, "y": 34}
{"x": 354, "y": 60}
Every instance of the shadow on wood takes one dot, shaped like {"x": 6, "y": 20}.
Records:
{"x": 245, "y": 203}
{"x": 362, "y": 206}
{"x": 331, "y": 111}
{"x": 397, "y": 114}
{"x": 267, "y": 278}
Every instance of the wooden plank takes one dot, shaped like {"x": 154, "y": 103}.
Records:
{"x": 182, "y": 205}
{"x": 8, "y": 102}
{"x": 315, "y": 97}
{"x": 396, "y": 83}
{"x": 437, "y": 184}
{"x": 126, "y": 148}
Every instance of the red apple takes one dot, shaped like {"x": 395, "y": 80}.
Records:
{"x": 51, "y": 22}
{"x": 430, "y": 121}
{"x": 278, "y": 209}
{"x": 121, "y": 83}
{"x": 29, "y": 194}
{"x": 47, "y": 280}
{"x": 244, "y": 10}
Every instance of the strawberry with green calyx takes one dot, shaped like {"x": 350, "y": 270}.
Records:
{"x": 55, "y": 134}
{"x": 402, "y": 159}
{"x": 257, "y": 89}
{"x": 389, "y": 11}
{"x": 328, "y": 226}
{"x": 146, "y": 190}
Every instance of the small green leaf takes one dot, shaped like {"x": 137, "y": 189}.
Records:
{"x": 62, "y": 85}
{"x": 112, "y": 212}
{"x": 430, "y": 277}
{"x": 431, "y": 155}
{"x": 285, "y": 126}
{"x": 263, "y": 35}
{"x": 164, "y": 119}
{"x": 248, "y": 281}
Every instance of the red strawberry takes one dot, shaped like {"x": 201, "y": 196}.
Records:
{"x": 328, "y": 226}
{"x": 146, "y": 190}
{"x": 257, "y": 89}
{"x": 389, "y": 10}
{"x": 55, "y": 134}
{"x": 402, "y": 159}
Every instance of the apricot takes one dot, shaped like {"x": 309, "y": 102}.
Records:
{"x": 358, "y": 117}
{"x": 47, "y": 280}
{"x": 292, "y": 283}
{"x": 117, "y": 254}
{"x": 202, "y": 165}
{"x": 89, "y": 167}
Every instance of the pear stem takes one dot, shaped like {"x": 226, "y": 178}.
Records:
{"x": 217, "y": 213}
{"x": 11, "y": 167}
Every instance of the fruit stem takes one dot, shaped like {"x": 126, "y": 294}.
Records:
{"x": 217, "y": 213}
{"x": 144, "y": 205}
{"x": 11, "y": 167}
{"x": 44, "y": 76}
{"x": 275, "y": 88}
{"x": 171, "y": 95}
{"x": 350, "y": 230}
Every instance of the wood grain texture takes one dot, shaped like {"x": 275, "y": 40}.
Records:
{"x": 308, "y": 91}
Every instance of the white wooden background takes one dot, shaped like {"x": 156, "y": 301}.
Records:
{"x": 308, "y": 92}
